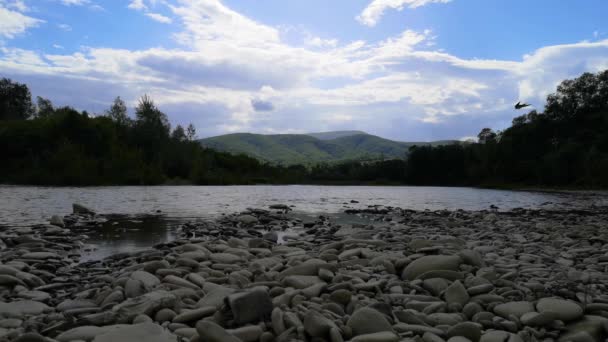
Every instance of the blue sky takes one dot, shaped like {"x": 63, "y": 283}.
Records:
{"x": 402, "y": 69}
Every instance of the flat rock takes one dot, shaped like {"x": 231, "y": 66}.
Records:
{"x": 148, "y": 332}
{"x": 513, "y": 308}
{"x": 21, "y": 308}
{"x": 564, "y": 310}
{"x": 431, "y": 263}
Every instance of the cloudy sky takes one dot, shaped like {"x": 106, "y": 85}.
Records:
{"x": 402, "y": 69}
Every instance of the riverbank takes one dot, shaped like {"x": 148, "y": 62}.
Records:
{"x": 461, "y": 276}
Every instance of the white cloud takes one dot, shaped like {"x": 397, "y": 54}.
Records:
{"x": 65, "y": 27}
{"x": 159, "y": 17}
{"x": 14, "y": 23}
{"x": 57, "y": 46}
{"x": 75, "y": 2}
{"x": 231, "y": 72}
{"x": 137, "y": 5}
{"x": 374, "y": 11}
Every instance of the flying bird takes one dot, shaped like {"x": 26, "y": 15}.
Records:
{"x": 520, "y": 105}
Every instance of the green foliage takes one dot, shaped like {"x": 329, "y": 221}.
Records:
{"x": 290, "y": 149}
{"x": 15, "y": 101}
{"x": 567, "y": 145}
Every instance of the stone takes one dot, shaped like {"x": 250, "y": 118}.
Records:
{"x": 341, "y": 296}
{"x": 57, "y": 221}
{"x": 86, "y": 333}
{"x": 495, "y": 336}
{"x": 456, "y": 293}
{"x": 211, "y": 332}
{"x": 251, "y": 306}
{"x": 215, "y": 297}
{"x": 301, "y": 282}
{"x": 590, "y": 325}
{"x": 8, "y": 280}
{"x": 71, "y": 304}
{"x": 537, "y": 319}
{"x": 249, "y": 333}
{"x": 148, "y": 332}
{"x": 564, "y": 310}
{"x": 146, "y": 304}
{"x": 431, "y": 263}
{"x": 164, "y": 315}
{"x": 194, "y": 315}
{"x": 78, "y": 208}
{"x": 247, "y": 219}
{"x": 367, "y": 321}
{"x": 516, "y": 309}
{"x": 21, "y": 308}
{"x": 384, "y": 336}
{"x": 470, "y": 330}
{"x": 225, "y": 258}
{"x": 30, "y": 337}
{"x": 317, "y": 325}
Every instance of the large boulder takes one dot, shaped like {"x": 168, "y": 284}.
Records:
{"x": 147, "y": 304}
{"x": 251, "y": 306}
{"x": 368, "y": 321}
{"x": 148, "y": 332}
{"x": 431, "y": 263}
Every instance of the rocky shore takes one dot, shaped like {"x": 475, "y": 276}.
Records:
{"x": 424, "y": 276}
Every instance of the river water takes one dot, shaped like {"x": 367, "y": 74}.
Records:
{"x": 143, "y": 216}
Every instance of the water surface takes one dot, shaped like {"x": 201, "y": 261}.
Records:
{"x": 145, "y": 215}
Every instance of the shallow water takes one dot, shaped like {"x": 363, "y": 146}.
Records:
{"x": 26, "y": 205}
{"x": 150, "y": 215}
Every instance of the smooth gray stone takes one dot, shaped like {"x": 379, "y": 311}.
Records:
{"x": 18, "y": 309}
{"x": 564, "y": 310}
{"x": 146, "y": 304}
{"x": 513, "y": 308}
{"x": 368, "y": 321}
{"x": 211, "y": 332}
{"x": 251, "y": 306}
{"x": 431, "y": 263}
{"x": 317, "y": 325}
{"x": 145, "y": 332}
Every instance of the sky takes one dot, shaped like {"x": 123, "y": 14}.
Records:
{"x": 409, "y": 70}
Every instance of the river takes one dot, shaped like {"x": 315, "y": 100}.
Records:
{"x": 141, "y": 216}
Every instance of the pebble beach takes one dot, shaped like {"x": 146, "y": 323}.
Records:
{"x": 415, "y": 276}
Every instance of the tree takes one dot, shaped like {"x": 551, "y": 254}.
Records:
{"x": 118, "y": 112}
{"x": 15, "y": 101}
{"x": 178, "y": 133}
{"x": 148, "y": 115}
{"x": 191, "y": 132}
{"x": 45, "y": 107}
{"x": 486, "y": 135}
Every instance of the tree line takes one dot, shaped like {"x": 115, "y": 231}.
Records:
{"x": 564, "y": 145}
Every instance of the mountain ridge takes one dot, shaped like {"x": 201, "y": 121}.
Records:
{"x": 312, "y": 148}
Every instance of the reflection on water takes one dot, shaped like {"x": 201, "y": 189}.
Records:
{"x": 21, "y": 205}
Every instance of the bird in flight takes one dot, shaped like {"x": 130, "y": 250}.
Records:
{"x": 520, "y": 105}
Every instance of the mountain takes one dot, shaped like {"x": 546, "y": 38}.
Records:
{"x": 312, "y": 148}
{"x": 334, "y": 134}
